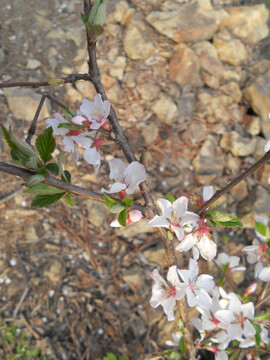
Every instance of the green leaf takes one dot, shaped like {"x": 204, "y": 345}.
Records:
{"x": 225, "y": 219}
{"x": 261, "y": 228}
{"x": 53, "y": 168}
{"x": 169, "y": 197}
{"x": 69, "y": 113}
{"x": 56, "y": 82}
{"x": 116, "y": 208}
{"x": 110, "y": 356}
{"x": 98, "y": 13}
{"x": 122, "y": 217}
{"x": 44, "y": 189}
{"x": 46, "y": 200}
{"x": 45, "y": 144}
{"x": 67, "y": 176}
{"x": 213, "y": 223}
{"x": 122, "y": 358}
{"x": 261, "y": 317}
{"x": 234, "y": 355}
{"x": 267, "y": 233}
{"x": 182, "y": 346}
{"x": 35, "y": 179}
{"x": 94, "y": 31}
{"x": 127, "y": 201}
{"x": 220, "y": 216}
{"x": 36, "y": 352}
{"x": 32, "y": 163}
{"x": 62, "y": 172}
{"x": 70, "y": 126}
{"x": 69, "y": 200}
{"x": 109, "y": 202}
{"x": 84, "y": 18}
{"x": 258, "y": 340}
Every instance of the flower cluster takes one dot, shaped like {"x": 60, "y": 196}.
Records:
{"x": 82, "y": 129}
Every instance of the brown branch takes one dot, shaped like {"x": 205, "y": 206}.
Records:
{"x": 73, "y": 189}
{"x": 33, "y": 126}
{"x": 66, "y": 80}
{"x": 234, "y": 182}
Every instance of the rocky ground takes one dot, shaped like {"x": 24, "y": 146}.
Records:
{"x": 190, "y": 83}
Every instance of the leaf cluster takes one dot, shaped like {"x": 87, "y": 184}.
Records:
{"x": 119, "y": 207}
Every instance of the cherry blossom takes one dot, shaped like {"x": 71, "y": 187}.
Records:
{"x": 232, "y": 262}
{"x": 256, "y": 253}
{"x": 166, "y": 293}
{"x": 126, "y": 178}
{"x": 133, "y": 216}
{"x": 200, "y": 241}
{"x": 93, "y": 113}
{"x": 175, "y": 216}
{"x": 197, "y": 287}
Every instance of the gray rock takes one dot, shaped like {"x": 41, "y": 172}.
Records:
{"x": 97, "y": 213}
{"x": 210, "y": 159}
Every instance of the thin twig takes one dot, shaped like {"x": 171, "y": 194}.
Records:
{"x": 58, "y": 102}
{"x": 234, "y": 182}
{"x": 66, "y": 80}
{"x": 33, "y": 126}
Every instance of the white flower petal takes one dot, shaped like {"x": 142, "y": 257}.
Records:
{"x": 159, "y": 221}
{"x": 208, "y": 192}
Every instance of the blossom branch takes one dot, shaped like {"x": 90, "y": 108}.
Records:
{"x": 66, "y": 80}
{"x": 32, "y": 128}
{"x": 234, "y": 182}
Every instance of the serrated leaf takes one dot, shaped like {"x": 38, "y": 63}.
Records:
{"x": 220, "y": 216}
{"x": 122, "y": 217}
{"x": 53, "y": 168}
{"x": 43, "y": 189}
{"x": 35, "y": 179}
{"x": 69, "y": 200}
{"x": 109, "y": 202}
{"x": 45, "y": 144}
{"x": 115, "y": 209}
{"x": 46, "y": 200}
{"x": 235, "y": 222}
{"x": 127, "y": 201}
{"x": 261, "y": 228}
{"x": 169, "y": 197}
{"x": 56, "y": 82}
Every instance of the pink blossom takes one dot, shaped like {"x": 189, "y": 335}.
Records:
{"x": 167, "y": 293}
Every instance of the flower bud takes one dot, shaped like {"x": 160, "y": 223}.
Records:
{"x": 98, "y": 13}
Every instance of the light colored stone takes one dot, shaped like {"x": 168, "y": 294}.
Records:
{"x": 247, "y": 22}
{"x": 262, "y": 203}
{"x": 184, "y": 67}
{"x": 190, "y": 22}
{"x": 136, "y": 44}
{"x": 233, "y": 164}
{"x": 254, "y": 126}
{"x": 117, "y": 67}
{"x": 149, "y": 132}
{"x": 23, "y": 103}
{"x": 120, "y": 11}
{"x": 165, "y": 109}
{"x": 233, "y": 90}
{"x": 210, "y": 159}
{"x": 229, "y": 49}
{"x": 241, "y": 146}
{"x": 134, "y": 229}
{"x": 239, "y": 192}
{"x": 54, "y": 273}
{"x": 258, "y": 94}
{"x": 97, "y": 213}
{"x": 33, "y": 64}
{"x": 148, "y": 91}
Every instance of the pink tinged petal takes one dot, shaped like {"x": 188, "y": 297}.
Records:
{"x": 134, "y": 174}
{"x": 208, "y": 325}
{"x": 135, "y": 215}
{"x": 117, "y": 168}
{"x": 188, "y": 242}
{"x": 225, "y": 316}
{"x": 207, "y": 247}
{"x": 159, "y": 221}
{"x": 95, "y": 125}
{"x": 203, "y": 299}
{"x": 193, "y": 269}
{"x": 115, "y": 223}
{"x": 92, "y": 156}
{"x": 206, "y": 282}
{"x": 248, "y": 329}
{"x": 115, "y": 188}
{"x": 208, "y": 192}
{"x": 191, "y": 298}
{"x": 158, "y": 278}
{"x": 179, "y": 232}
{"x": 180, "y": 206}
{"x": 78, "y": 120}
{"x": 54, "y": 124}
{"x": 264, "y": 275}
{"x": 166, "y": 207}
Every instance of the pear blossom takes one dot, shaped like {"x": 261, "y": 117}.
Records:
{"x": 232, "y": 262}
{"x": 133, "y": 216}
{"x": 126, "y": 178}
{"x": 166, "y": 293}
{"x": 93, "y": 113}
{"x": 175, "y": 216}
{"x": 200, "y": 242}
{"x": 197, "y": 287}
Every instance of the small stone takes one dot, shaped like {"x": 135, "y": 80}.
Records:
{"x": 241, "y": 146}
{"x": 232, "y": 89}
{"x": 33, "y": 64}
{"x": 148, "y": 91}
{"x": 258, "y": 94}
{"x": 117, "y": 67}
{"x": 190, "y": 22}
{"x": 136, "y": 44}
{"x": 165, "y": 109}
{"x": 229, "y": 49}
{"x": 54, "y": 273}
{"x": 239, "y": 192}
{"x": 262, "y": 203}
{"x": 96, "y": 213}
{"x": 233, "y": 164}
{"x": 18, "y": 99}
{"x": 149, "y": 132}
{"x": 210, "y": 159}
{"x": 184, "y": 67}
{"x": 254, "y": 126}
{"x": 247, "y": 22}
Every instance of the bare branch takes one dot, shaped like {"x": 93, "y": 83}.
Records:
{"x": 32, "y": 128}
